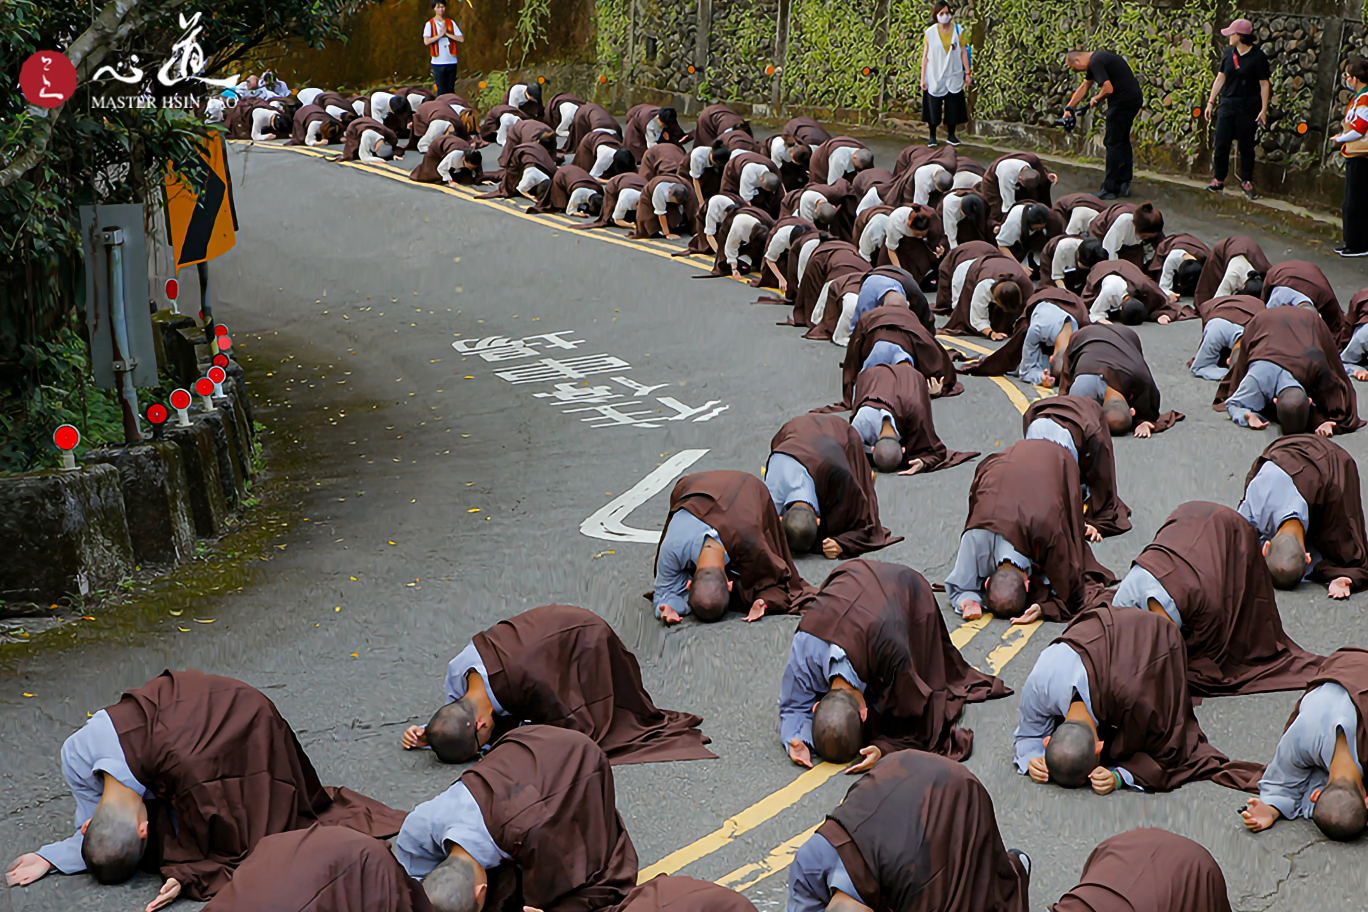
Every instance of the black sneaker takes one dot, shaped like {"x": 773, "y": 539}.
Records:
{"x": 1354, "y": 253}
{"x": 952, "y": 141}
{"x": 932, "y": 143}
{"x": 1341, "y": 248}
{"x": 1124, "y": 191}
{"x": 1106, "y": 195}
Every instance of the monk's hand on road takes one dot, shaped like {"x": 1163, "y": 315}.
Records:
{"x": 1326, "y": 430}
{"x": 913, "y": 467}
{"x": 1360, "y": 374}
{"x": 1029, "y": 616}
{"x": 1172, "y": 299}
{"x": 1103, "y": 780}
{"x": 971, "y": 611}
{"x": 1164, "y": 318}
{"x": 831, "y": 548}
{"x": 669, "y": 615}
{"x": 169, "y": 891}
{"x": 1144, "y": 429}
{"x": 868, "y": 757}
{"x": 414, "y": 736}
{"x": 799, "y": 753}
{"x": 736, "y": 273}
{"x": 996, "y": 336}
{"x": 1090, "y": 531}
{"x": 1047, "y": 379}
{"x": 1256, "y": 422}
{"x": 671, "y": 237}
{"x": 935, "y": 385}
{"x": 27, "y": 868}
{"x": 531, "y": 909}
{"x": 1259, "y": 816}
{"x": 1340, "y": 587}
{"x": 757, "y": 611}
{"x": 1038, "y": 771}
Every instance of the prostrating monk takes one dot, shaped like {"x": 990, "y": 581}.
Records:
{"x": 872, "y": 671}
{"x": 891, "y": 334}
{"x": 555, "y": 665}
{"x": 1297, "y": 282}
{"x": 820, "y": 482}
{"x": 1288, "y": 367}
{"x": 954, "y": 270}
{"x": 837, "y": 158}
{"x": 891, "y": 411}
{"x": 913, "y": 240}
{"x": 917, "y": 834}
{"x": 571, "y": 190}
{"x": 621, "y": 196}
{"x": 560, "y": 114}
{"x": 964, "y": 218}
{"x": 792, "y": 157}
{"x": 714, "y": 122}
{"x": 1066, "y": 261}
{"x": 724, "y": 548}
{"x": 1119, "y": 290}
{"x": 1355, "y": 354}
{"x": 314, "y": 126}
{"x": 336, "y": 105}
{"x": 1203, "y": 572}
{"x": 588, "y": 118}
{"x": 528, "y": 131}
{"x": 204, "y": 768}
{"x": 1078, "y": 211}
{"x": 831, "y": 259}
{"x": 1302, "y": 498}
{"x": 450, "y": 160}
{"x": 676, "y": 893}
{"x": 602, "y": 155}
{"x": 648, "y": 126}
{"x": 1024, "y": 553}
{"x": 1014, "y": 178}
{"x": 321, "y": 869}
{"x": 790, "y": 241}
{"x": 807, "y": 201}
{"x": 368, "y": 140}
{"x": 807, "y": 130}
{"x": 1148, "y": 869}
{"x": 1078, "y": 425}
{"x": 755, "y": 179}
{"x": 498, "y": 120}
{"x": 1107, "y": 705}
{"x": 529, "y": 166}
{"x": 1035, "y": 349}
{"x": 447, "y": 114}
{"x": 1223, "y": 325}
{"x": 1317, "y": 770}
{"x": 257, "y": 120}
{"x": 922, "y": 175}
{"x": 1126, "y": 228}
{"x": 527, "y": 98}
{"x": 1177, "y": 264}
{"x": 993, "y": 294}
{"x": 1233, "y": 264}
{"x": 1025, "y": 231}
{"x": 664, "y": 158}
{"x": 741, "y": 240}
{"x": 666, "y": 207}
{"x": 1107, "y": 363}
{"x": 536, "y": 816}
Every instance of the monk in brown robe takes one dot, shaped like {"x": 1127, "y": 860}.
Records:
{"x": 587, "y": 119}
{"x": 741, "y": 241}
{"x": 1148, "y": 869}
{"x": 321, "y": 869}
{"x": 783, "y": 249}
{"x": 1027, "y": 178}
{"x": 562, "y": 193}
{"x": 354, "y": 142}
{"x": 832, "y": 259}
{"x": 465, "y": 168}
{"x": 1081, "y": 421}
{"x": 202, "y": 768}
{"x": 806, "y": 202}
{"x": 1307, "y": 278}
{"x": 444, "y": 110}
{"x": 681, "y": 208}
{"x": 900, "y": 684}
{"x": 241, "y": 121}
{"x": 528, "y": 131}
{"x": 1355, "y": 354}
{"x": 715, "y": 121}
{"x": 1135, "y": 727}
{"x": 839, "y": 157}
{"x": 677, "y": 893}
{"x": 1127, "y": 229}
{"x": 723, "y": 548}
{"x": 524, "y": 157}
{"x": 493, "y": 120}
{"x": 964, "y": 218}
{"x": 1328, "y": 519}
{"x": 921, "y": 243}
{"x": 1141, "y": 300}
{"x": 818, "y": 457}
{"x": 1203, "y": 572}
{"x": 899, "y": 326}
{"x": 1078, "y": 210}
{"x": 1024, "y": 552}
{"x": 328, "y": 131}
{"x": 1107, "y": 363}
{"x": 891, "y": 411}
{"x": 646, "y": 120}
{"x": 1034, "y": 352}
{"x": 537, "y": 817}
{"x": 994, "y": 293}
{"x": 918, "y": 834}
{"x": 1178, "y": 261}
{"x": 663, "y": 158}
{"x": 618, "y": 208}
{"x": 1219, "y": 279}
{"x": 555, "y": 665}
{"x": 967, "y": 252}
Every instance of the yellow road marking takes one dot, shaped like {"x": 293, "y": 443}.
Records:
{"x": 1017, "y": 397}
{"x": 747, "y": 876}
{"x": 743, "y": 822}
{"x": 968, "y": 630}
{"x": 1013, "y": 641}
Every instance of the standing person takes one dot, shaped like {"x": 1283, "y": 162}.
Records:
{"x": 1353, "y": 143}
{"x": 944, "y": 75}
{"x": 440, "y": 35}
{"x": 1117, "y": 83}
{"x": 1243, "y": 84}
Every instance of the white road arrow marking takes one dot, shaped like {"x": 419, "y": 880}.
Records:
{"x": 608, "y": 524}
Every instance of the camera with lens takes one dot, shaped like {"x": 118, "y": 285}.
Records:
{"x": 1068, "y": 121}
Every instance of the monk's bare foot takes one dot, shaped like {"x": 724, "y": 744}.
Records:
{"x": 757, "y": 611}
{"x": 913, "y": 467}
{"x": 1090, "y": 531}
{"x": 669, "y": 615}
{"x": 1030, "y": 616}
{"x": 1340, "y": 588}
{"x": 414, "y": 736}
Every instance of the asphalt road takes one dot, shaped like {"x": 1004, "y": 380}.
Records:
{"x": 432, "y": 497}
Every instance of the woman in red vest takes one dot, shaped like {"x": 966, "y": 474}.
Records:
{"x": 440, "y": 34}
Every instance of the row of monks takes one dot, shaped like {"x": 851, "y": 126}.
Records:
{"x": 551, "y": 699}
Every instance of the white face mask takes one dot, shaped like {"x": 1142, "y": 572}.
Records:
{"x": 943, "y": 18}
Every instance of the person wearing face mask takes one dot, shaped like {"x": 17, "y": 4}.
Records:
{"x": 944, "y": 75}
{"x": 1243, "y": 86}
{"x": 1353, "y": 143}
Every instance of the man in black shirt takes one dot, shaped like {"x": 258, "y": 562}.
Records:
{"x": 1118, "y": 84}
{"x": 1243, "y": 84}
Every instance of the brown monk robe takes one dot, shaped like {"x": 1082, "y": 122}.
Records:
{"x": 1138, "y": 685}
{"x": 914, "y": 156}
{"x": 715, "y": 121}
{"x": 553, "y": 109}
{"x": 1189, "y": 244}
{"x": 238, "y": 120}
{"x": 489, "y": 127}
{"x": 738, "y": 506}
{"x": 663, "y": 158}
{"x": 868, "y": 179}
{"x": 833, "y": 454}
{"x": 677, "y": 893}
{"x": 1067, "y": 203}
{"x": 227, "y": 771}
{"x": 335, "y": 100}
{"x": 782, "y": 273}
{"x": 1140, "y": 286}
{"x": 612, "y": 193}
{"x": 1007, "y": 359}
{"x": 351, "y": 139}
{"x": 731, "y": 179}
{"x": 831, "y": 259}
{"x": 530, "y": 131}
{"x": 886, "y": 619}
{"x": 902, "y": 190}
{"x": 588, "y": 118}
{"x": 973, "y": 224}
{"x": 1133, "y": 253}
{"x": 808, "y": 130}
{"x": 1115, "y": 353}
{"x": 900, "y": 390}
{"x": 945, "y": 272}
{"x": 899, "y": 325}
{"x": 1002, "y": 315}
{"x": 1148, "y": 869}
{"x": 753, "y": 249}
{"x": 462, "y": 125}
{"x": 305, "y": 117}
{"x": 820, "y": 165}
{"x": 587, "y": 152}
{"x": 839, "y": 194}
{"x": 918, "y": 255}
{"x": 918, "y": 834}
{"x": 679, "y": 219}
{"x": 848, "y": 282}
{"x": 1298, "y": 341}
{"x": 1207, "y": 557}
{"x": 1082, "y": 420}
{"x": 992, "y": 193}
{"x": 532, "y": 108}
{"x": 1327, "y": 478}
{"x": 527, "y": 155}
{"x": 1299, "y": 275}
{"x": 321, "y": 869}
{"x": 441, "y": 147}
{"x": 555, "y": 194}
{"x": 634, "y": 132}
{"x": 1215, "y": 267}
{"x": 1030, "y": 494}
{"x": 1357, "y": 316}
{"x": 1238, "y": 309}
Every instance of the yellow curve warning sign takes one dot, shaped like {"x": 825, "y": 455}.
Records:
{"x": 202, "y": 224}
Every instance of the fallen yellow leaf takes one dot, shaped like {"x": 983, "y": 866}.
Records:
{"x": 473, "y": 510}
{"x": 391, "y": 543}
{"x": 354, "y": 655}
{"x": 209, "y": 621}
{"x": 353, "y": 579}
{"x": 30, "y": 695}
{"x": 338, "y": 608}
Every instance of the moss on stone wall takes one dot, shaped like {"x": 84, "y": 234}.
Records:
{"x": 742, "y": 45}
{"x": 612, "y": 25}
{"x": 830, "y": 43}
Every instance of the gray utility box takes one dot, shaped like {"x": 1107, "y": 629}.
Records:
{"x": 99, "y": 226}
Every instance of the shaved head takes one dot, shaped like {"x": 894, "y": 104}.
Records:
{"x": 450, "y": 886}
{"x": 945, "y": 181}
{"x": 888, "y": 454}
{"x": 1029, "y": 177}
{"x": 800, "y": 526}
{"x": 112, "y": 847}
{"x": 862, "y": 160}
{"x": 1118, "y": 415}
{"x": 678, "y": 193}
{"x": 837, "y": 730}
{"x": 1294, "y": 410}
{"x": 823, "y": 215}
{"x": 770, "y": 182}
{"x": 452, "y": 732}
{"x": 1286, "y": 560}
{"x": 1071, "y": 754}
{"x": 709, "y": 595}
{"x": 1007, "y": 592}
{"x": 1340, "y": 812}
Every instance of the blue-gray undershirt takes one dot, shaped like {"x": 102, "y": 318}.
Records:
{"x": 678, "y": 559}
{"x": 812, "y": 664}
{"x": 789, "y": 483}
{"x": 1301, "y": 764}
{"x": 1256, "y": 391}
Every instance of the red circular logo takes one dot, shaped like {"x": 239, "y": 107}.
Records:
{"x": 66, "y": 437}
{"x": 204, "y": 386}
{"x": 172, "y": 289}
{"x": 217, "y": 374}
{"x": 224, "y": 343}
{"x": 180, "y": 399}
{"x": 47, "y": 79}
{"x": 156, "y": 413}
{"x": 220, "y": 329}
{"x": 220, "y": 360}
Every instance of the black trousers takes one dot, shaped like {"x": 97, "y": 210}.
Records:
{"x": 1235, "y": 122}
{"x": 444, "y": 74}
{"x": 1355, "y": 210}
{"x": 1117, "y": 141}
{"x": 949, "y": 109}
